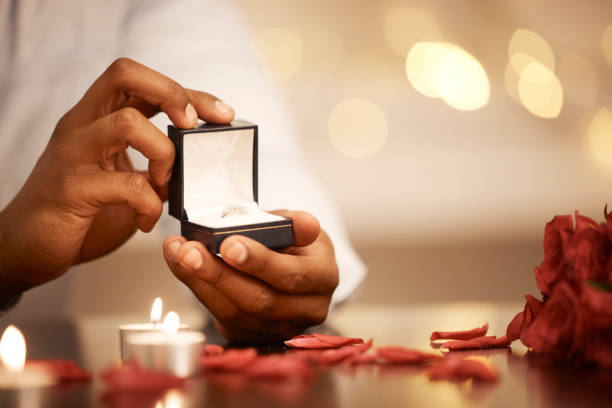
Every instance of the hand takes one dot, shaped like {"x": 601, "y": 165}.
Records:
{"x": 257, "y": 294}
{"x": 84, "y": 198}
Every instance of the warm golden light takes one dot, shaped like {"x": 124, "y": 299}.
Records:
{"x": 422, "y": 63}
{"x": 579, "y": 79}
{"x": 174, "y": 399}
{"x": 405, "y": 26}
{"x": 171, "y": 323}
{"x": 13, "y": 349}
{"x": 531, "y": 45}
{"x": 280, "y": 52}
{"x": 462, "y": 81}
{"x": 540, "y": 91}
{"x": 156, "y": 311}
{"x": 357, "y": 127}
{"x": 606, "y": 44}
{"x": 449, "y": 72}
{"x": 600, "y": 135}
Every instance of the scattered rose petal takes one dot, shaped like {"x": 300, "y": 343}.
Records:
{"x": 131, "y": 377}
{"x": 230, "y": 360}
{"x": 483, "y": 342}
{"x": 212, "y": 350}
{"x": 320, "y": 341}
{"x": 279, "y": 367}
{"x": 401, "y": 355}
{"x": 62, "y": 370}
{"x": 460, "y": 369}
{"x": 460, "y": 335}
{"x": 364, "y": 359}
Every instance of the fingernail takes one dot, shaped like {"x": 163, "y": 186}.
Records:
{"x": 191, "y": 114}
{"x": 173, "y": 247}
{"x": 238, "y": 252}
{"x": 193, "y": 259}
{"x": 222, "y": 108}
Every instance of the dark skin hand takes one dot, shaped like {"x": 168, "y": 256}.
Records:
{"x": 256, "y": 294}
{"x": 84, "y": 198}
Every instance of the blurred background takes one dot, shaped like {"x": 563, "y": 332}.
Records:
{"x": 447, "y": 134}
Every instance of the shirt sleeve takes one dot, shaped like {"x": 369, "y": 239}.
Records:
{"x": 203, "y": 44}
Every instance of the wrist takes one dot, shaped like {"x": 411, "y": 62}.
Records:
{"x": 9, "y": 293}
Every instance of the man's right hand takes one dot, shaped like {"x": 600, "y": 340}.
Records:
{"x": 84, "y": 198}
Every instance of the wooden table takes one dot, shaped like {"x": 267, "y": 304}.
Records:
{"x": 526, "y": 380}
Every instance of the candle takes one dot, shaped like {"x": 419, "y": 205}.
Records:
{"x": 153, "y": 325}
{"x": 14, "y": 374}
{"x": 166, "y": 350}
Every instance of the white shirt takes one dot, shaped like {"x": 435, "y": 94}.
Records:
{"x": 53, "y": 50}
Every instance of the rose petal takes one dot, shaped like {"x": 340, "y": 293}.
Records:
{"x": 212, "y": 350}
{"x": 401, "y": 355}
{"x": 513, "y": 331}
{"x": 230, "y": 360}
{"x": 131, "y": 377}
{"x": 279, "y": 367}
{"x": 460, "y": 335}
{"x": 462, "y": 369}
{"x": 483, "y": 342}
{"x": 62, "y": 370}
{"x": 320, "y": 341}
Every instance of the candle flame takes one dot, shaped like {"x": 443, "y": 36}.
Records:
{"x": 156, "y": 311}
{"x": 171, "y": 323}
{"x": 13, "y": 349}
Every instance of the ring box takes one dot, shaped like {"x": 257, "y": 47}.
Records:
{"x": 215, "y": 169}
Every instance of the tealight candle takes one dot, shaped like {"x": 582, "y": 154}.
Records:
{"x": 168, "y": 350}
{"x": 153, "y": 325}
{"x": 14, "y": 374}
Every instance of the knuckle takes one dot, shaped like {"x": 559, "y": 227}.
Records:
{"x": 167, "y": 150}
{"x": 297, "y": 280}
{"x": 136, "y": 182}
{"x": 176, "y": 91}
{"x": 262, "y": 303}
{"x": 119, "y": 67}
{"x": 127, "y": 117}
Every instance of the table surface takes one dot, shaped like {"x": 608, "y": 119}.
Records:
{"x": 526, "y": 380}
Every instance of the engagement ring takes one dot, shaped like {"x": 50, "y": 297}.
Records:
{"x": 233, "y": 210}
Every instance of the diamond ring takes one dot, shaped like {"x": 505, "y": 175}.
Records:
{"x": 233, "y": 210}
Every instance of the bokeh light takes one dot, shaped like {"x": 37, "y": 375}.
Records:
{"x": 512, "y": 73}
{"x": 357, "y": 127}
{"x": 445, "y": 70}
{"x": 405, "y": 26}
{"x": 606, "y": 44}
{"x": 600, "y": 135}
{"x": 532, "y": 45}
{"x": 579, "y": 79}
{"x": 540, "y": 91}
{"x": 462, "y": 81}
{"x": 280, "y": 52}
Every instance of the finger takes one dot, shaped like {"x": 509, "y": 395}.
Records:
{"x": 249, "y": 294}
{"x": 125, "y": 79}
{"x": 306, "y": 273}
{"x": 306, "y": 227}
{"x": 238, "y": 324}
{"x": 210, "y": 108}
{"x": 111, "y": 134}
{"x": 133, "y": 189}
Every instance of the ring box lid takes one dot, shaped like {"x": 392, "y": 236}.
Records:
{"x": 216, "y": 167}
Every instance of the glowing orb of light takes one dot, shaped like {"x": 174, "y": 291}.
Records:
{"x": 357, "y": 128}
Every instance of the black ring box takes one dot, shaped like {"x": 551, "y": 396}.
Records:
{"x": 216, "y": 167}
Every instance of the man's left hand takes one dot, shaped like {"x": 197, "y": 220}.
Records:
{"x": 257, "y": 294}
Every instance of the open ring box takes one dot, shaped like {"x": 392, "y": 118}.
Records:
{"x": 215, "y": 172}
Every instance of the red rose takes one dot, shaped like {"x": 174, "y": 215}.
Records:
{"x": 587, "y": 250}
{"x": 596, "y": 314}
{"x": 522, "y": 321}
{"x": 556, "y": 330}
{"x": 553, "y": 268}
